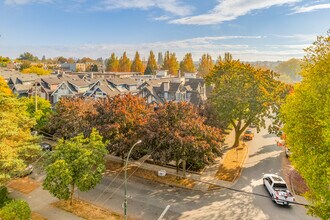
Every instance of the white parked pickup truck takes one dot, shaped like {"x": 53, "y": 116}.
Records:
{"x": 278, "y": 189}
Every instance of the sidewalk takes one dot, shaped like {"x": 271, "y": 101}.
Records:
{"x": 40, "y": 201}
{"x": 210, "y": 171}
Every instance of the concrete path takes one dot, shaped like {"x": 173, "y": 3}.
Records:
{"x": 40, "y": 201}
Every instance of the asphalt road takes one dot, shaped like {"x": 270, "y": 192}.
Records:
{"x": 148, "y": 200}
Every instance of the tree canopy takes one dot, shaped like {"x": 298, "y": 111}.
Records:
{"x": 113, "y": 63}
{"x": 36, "y": 70}
{"x": 151, "y": 65}
{"x": 187, "y": 64}
{"x": 119, "y": 120}
{"x": 43, "y": 109}
{"x": 71, "y": 117}
{"x": 124, "y": 63}
{"x": 177, "y": 132}
{"x": 171, "y": 63}
{"x": 79, "y": 162}
{"x": 205, "y": 65}
{"x": 28, "y": 56}
{"x": 306, "y": 117}
{"x": 17, "y": 145}
{"x": 137, "y": 65}
{"x": 243, "y": 95}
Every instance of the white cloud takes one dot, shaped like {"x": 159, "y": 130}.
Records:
{"x": 23, "y": 2}
{"x": 214, "y": 45}
{"x": 175, "y": 7}
{"x": 227, "y": 10}
{"x": 310, "y": 8}
{"x": 162, "y": 18}
{"x": 299, "y": 37}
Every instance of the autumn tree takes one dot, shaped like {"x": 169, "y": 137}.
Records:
{"x": 71, "y": 116}
{"x": 306, "y": 117}
{"x": 85, "y": 60}
{"x": 4, "y": 87}
{"x": 36, "y": 70}
{"x": 177, "y": 132}
{"x": 113, "y": 63}
{"x": 205, "y": 66}
{"x": 187, "y": 64}
{"x": 17, "y": 145}
{"x": 171, "y": 63}
{"x": 243, "y": 95}
{"x": 119, "y": 119}
{"x": 124, "y": 63}
{"x": 137, "y": 65}
{"x": 151, "y": 65}
{"x": 290, "y": 68}
{"x": 166, "y": 63}
{"x": 77, "y": 162}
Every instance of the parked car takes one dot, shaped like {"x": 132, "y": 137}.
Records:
{"x": 278, "y": 189}
{"x": 248, "y": 135}
{"x": 252, "y": 125}
{"x": 287, "y": 152}
{"x": 46, "y": 146}
{"x": 27, "y": 171}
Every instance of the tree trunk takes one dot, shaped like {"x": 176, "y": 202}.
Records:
{"x": 71, "y": 193}
{"x": 237, "y": 135}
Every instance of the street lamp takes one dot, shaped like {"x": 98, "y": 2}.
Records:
{"x": 126, "y": 162}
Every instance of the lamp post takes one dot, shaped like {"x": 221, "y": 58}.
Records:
{"x": 126, "y": 162}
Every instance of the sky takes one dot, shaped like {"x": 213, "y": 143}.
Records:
{"x": 252, "y": 30}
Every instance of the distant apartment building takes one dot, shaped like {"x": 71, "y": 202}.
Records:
{"x": 74, "y": 67}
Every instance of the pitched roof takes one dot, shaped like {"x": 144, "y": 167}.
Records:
{"x": 121, "y": 81}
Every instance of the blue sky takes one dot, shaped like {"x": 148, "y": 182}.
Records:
{"x": 250, "y": 29}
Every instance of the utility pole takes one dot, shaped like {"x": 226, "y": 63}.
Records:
{"x": 125, "y": 201}
{"x": 35, "y": 94}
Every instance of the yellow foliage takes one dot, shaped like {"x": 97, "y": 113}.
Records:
{"x": 36, "y": 70}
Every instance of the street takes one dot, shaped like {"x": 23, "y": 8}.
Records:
{"x": 148, "y": 200}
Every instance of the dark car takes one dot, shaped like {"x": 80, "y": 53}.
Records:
{"x": 46, "y": 146}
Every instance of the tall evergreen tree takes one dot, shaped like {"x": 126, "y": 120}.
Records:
{"x": 187, "y": 64}
{"x": 206, "y": 65}
{"x": 160, "y": 60}
{"x": 113, "y": 63}
{"x": 124, "y": 63}
{"x": 137, "y": 65}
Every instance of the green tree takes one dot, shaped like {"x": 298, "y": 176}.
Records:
{"x": 78, "y": 162}
{"x": 137, "y": 65}
{"x": 306, "y": 117}
{"x": 62, "y": 60}
{"x": 243, "y": 95}
{"x": 15, "y": 209}
{"x": 187, "y": 64}
{"x": 149, "y": 71}
{"x": 28, "y": 56}
{"x": 4, "y": 61}
{"x": 25, "y": 64}
{"x": 152, "y": 62}
{"x": 113, "y": 63}
{"x": 124, "y": 63}
{"x": 43, "y": 110}
{"x": 205, "y": 66}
